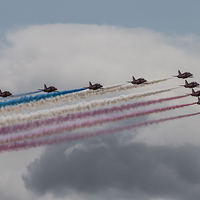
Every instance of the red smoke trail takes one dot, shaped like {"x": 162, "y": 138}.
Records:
{"x": 69, "y": 138}
{"x": 89, "y": 123}
{"x": 50, "y": 113}
{"x": 72, "y": 116}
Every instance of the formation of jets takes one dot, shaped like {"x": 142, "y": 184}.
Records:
{"x": 97, "y": 86}
{"x": 190, "y": 85}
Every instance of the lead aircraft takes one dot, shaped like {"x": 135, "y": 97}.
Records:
{"x": 184, "y": 75}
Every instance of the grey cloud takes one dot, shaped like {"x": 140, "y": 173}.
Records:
{"x": 100, "y": 164}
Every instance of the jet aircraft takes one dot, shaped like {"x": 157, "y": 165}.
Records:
{"x": 5, "y": 93}
{"x": 48, "y": 89}
{"x": 95, "y": 86}
{"x": 198, "y": 102}
{"x": 195, "y": 94}
{"x": 137, "y": 81}
{"x": 184, "y": 75}
{"x": 190, "y": 85}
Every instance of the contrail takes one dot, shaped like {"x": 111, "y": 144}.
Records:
{"x": 27, "y": 99}
{"x": 71, "y": 137}
{"x": 84, "y": 124}
{"x": 4, "y": 120}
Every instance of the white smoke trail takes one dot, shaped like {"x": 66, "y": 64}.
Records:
{"x": 9, "y": 120}
{"x": 70, "y": 97}
{"x": 123, "y": 87}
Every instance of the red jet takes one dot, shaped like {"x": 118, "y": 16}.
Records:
{"x": 137, "y": 81}
{"x": 195, "y": 94}
{"x": 198, "y": 102}
{"x": 48, "y": 89}
{"x": 184, "y": 75}
{"x": 5, "y": 93}
{"x": 95, "y": 86}
{"x": 190, "y": 85}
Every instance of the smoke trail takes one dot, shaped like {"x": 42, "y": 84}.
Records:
{"x": 19, "y": 95}
{"x": 27, "y": 99}
{"x": 68, "y": 138}
{"x": 113, "y": 86}
{"x": 78, "y": 107}
{"x": 73, "y": 116}
{"x": 64, "y": 98}
{"x": 24, "y": 94}
{"x": 120, "y": 88}
{"x": 70, "y": 127}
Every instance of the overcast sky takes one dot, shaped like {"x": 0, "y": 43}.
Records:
{"x": 68, "y": 43}
{"x": 172, "y": 16}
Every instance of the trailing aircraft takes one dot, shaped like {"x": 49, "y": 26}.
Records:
{"x": 190, "y": 85}
{"x": 195, "y": 94}
{"x": 48, "y": 89}
{"x": 198, "y": 102}
{"x": 95, "y": 86}
{"x": 5, "y": 93}
{"x": 184, "y": 75}
{"x": 137, "y": 81}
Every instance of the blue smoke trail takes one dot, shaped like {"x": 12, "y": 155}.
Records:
{"x": 20, "y": 95}
{"x": 27, "y": 99}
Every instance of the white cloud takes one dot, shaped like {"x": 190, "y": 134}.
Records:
{"x": 69, "y": 55}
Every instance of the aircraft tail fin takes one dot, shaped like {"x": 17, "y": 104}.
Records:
{"x": 133, "y": 78}
{"x": 193, "y": 92}
{"x": 179, "y": 72}
{"x": 0, "y": 91}
{"x": 90, "y": 84}
{"x": 198, "y": 101}
{"x": 186, "y": 83}
{"x": 45, "y": 86}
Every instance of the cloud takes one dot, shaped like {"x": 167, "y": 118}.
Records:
{"x": 69, "y": 55}
{"x": 101, "y": 164}
{"x": 154, "y": 162}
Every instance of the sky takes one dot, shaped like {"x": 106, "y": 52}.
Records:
{"x": 67, "y": 44}
{"x": 173, "y": 16}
